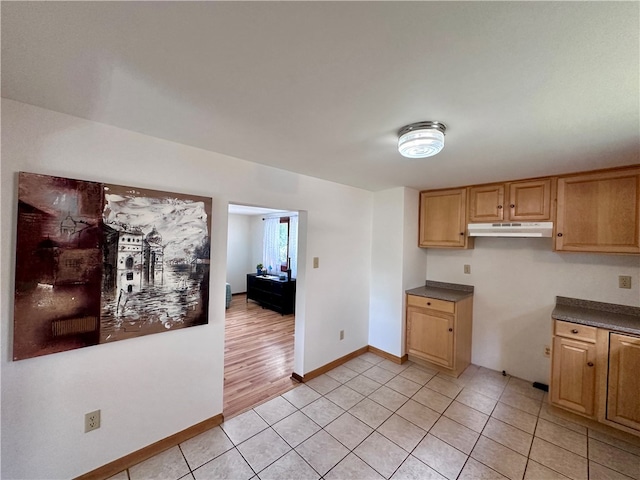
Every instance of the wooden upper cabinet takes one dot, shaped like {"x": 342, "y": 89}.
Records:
{"x": 599, "y": 212}
{"x": 530, "y": 201}
{"x": 486, "y": 203}
{"x": 525, "y": 201}
{"x": 443, "y": 219}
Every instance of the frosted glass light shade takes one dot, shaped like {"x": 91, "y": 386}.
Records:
{"x": 421, "y": 140}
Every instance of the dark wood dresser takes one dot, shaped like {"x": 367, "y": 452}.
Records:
{"x": 272, "y": 293}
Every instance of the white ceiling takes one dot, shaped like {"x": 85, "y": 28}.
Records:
{"x": 250, "y": 210}
{"x": 321, "y": 88}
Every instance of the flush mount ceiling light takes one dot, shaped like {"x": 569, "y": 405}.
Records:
{"x": 421, "y": 139}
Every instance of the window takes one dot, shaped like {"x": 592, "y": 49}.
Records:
{"x": 73, "y": 262}
{"x": 277, "y": 254}
{"x": 284, "y": 244}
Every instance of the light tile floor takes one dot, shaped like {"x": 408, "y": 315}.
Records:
{"x": 371, "y": 418}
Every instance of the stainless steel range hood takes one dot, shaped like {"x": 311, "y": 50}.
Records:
{"x": 515, "y": 229}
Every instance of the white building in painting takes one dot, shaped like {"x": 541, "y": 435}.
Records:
{"x": 153, "y": 255}
{"x": 130, "y": 260}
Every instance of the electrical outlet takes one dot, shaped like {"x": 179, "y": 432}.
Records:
{"x": 91, "y": 421}
{"x": 316, "y": 262}
{"x": 341, "y": 334}
{"x": 624, "y": 281}
{"x": 547, "y": 351}
{"x": 467, "y": 269}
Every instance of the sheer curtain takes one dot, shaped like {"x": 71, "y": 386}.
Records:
{"x": 271, "y": 245}
{"x": 293, "y": 245}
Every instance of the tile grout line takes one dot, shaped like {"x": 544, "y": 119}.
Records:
{"x": 185, "y": 459}
{"x": 233, "y": 447}
{"x": 588, "y": 461}
{"x": 533, "y": 437}
{"x": 478, "y": 439}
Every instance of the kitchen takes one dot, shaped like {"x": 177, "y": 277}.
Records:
{"x": 608, "y": 229}
{"x": 527, "y": 89}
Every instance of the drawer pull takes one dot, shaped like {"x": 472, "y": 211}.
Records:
{"x": 574, "y": 331}
{"x": 590, "y": 364}
{"x": 451, "y": 329}
{"x": 428, "y": 303}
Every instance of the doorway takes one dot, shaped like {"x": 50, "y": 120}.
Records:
{"x": 259, "y": 342}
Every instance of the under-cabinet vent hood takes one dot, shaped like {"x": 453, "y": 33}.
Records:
{"x": 515, "y": 229}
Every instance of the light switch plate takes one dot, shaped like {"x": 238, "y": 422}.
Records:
{"x": 316, "y": 262}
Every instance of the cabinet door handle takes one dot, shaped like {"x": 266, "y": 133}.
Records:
{"x": 512, "y": 205}
{"x": 499, "y": 207}
{"x": 559, "y": 234}
{"x": 590, "y": 364}
{"x": 451, "y": 329}
{"x": 462, "y": 233}
{"x": 574, "y": 331}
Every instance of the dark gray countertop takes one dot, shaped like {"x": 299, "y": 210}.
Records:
{"x": 451, "y": 292}
{"x": 621, "y": 318}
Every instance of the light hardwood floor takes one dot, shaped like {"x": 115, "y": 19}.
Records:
{"x": 258, "y": 355}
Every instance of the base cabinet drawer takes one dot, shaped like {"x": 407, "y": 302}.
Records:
{"x": 576, "y": 331}
{"x": 431, "y": 303}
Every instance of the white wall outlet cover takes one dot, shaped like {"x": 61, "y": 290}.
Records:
{"x": 91, "y": 421}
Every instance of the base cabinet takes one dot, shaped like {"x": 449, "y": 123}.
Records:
{"x": 431, "y": 336}
{"x": 623, "y": 392}
{"x": 439, "y": 332}
{"x": 574, "y": 375}
{"x": 594, "y": 372}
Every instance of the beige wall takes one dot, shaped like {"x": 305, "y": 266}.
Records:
{"x": 151, "y": 387}
{"x": 516, "y": 281}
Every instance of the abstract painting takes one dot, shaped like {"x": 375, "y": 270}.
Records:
{"x": 97, "y": 263}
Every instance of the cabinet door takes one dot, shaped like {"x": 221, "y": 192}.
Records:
{"x": 623, "y": 391}
{"x": 486, "y": 203}
{"x": 573, "y": 375}
{"x": 443, "y": 219}
{"x": 599, "y": 212}
{"x": 530, "y": 201}
{"x": 430, "y": 336}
